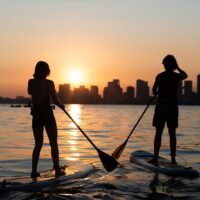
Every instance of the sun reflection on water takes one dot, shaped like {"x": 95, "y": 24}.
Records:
{"x": 75, "y": 112}
{"x": 73, "y": 148}
{"x": 72, "y": 142}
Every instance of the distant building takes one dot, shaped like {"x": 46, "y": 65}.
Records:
{"x": 180, "y": 92}
{"x": 94, "y": 94}
{"x": 142, "y": 90}
{"x": 187, "y": 88}
{"x": 22, "y": 99}
{"x": 113, "y": 92}
{"x": 17, "y": 100}
{"x": 64, "y": 93}
{"x": 130, "y": 91}
{"x": 198, "y": 90}
{"x": 94, "y": 91}
{"x": 198, "y": 85}
{"x": 189, "y": 95}
{"x": 80, "y": 95}
{"x": 129, "y": 95}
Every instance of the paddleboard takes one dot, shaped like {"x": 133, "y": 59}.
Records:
{"x": 164, "y": 165}
{"x": 46, "y": 179}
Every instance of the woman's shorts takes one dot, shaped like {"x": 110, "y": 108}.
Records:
{"x": 43, "y": 117}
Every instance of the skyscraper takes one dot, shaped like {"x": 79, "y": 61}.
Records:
{"x": 198, "y": 85}
{"x": 142, "y": 91}
{"x": 81, "y": 95}
{"x": 64, "y": 93}
{"x": 113, "y": 92}
{"x": 130, "y": 92}
{"x": 94, "y": 94}
{"x": 188, "y": 88}
{"x": 129, "y": 95}
{"x": 94, "y": 91}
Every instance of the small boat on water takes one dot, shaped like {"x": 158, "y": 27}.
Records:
{"x": 26, "y": 106}
{"x": 15, "y": 106}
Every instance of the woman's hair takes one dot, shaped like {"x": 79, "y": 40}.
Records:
{"x": 41, "y": 70}
{"x": 169, "y": 63}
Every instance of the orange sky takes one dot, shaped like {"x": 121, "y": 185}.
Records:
{"x": 104, "y": 39}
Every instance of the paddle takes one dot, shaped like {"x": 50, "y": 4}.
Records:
{"x": 118, "y": 151}
{"x": 108, "y": 162}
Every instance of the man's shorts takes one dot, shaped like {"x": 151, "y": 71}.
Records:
{"x": 168, "y": 114}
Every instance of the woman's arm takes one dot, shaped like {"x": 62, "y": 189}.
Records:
{"x": 54, "y": 96}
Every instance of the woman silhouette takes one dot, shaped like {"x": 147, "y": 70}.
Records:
{"x": 41, "y": 91}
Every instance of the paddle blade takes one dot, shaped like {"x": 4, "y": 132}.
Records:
{"x": 107, "y": 161}
{"x": 118, "y": 151}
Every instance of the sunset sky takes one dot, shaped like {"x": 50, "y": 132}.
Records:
{"x": 99, "y": 39}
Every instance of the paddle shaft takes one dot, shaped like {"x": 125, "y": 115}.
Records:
{"x": 139, "y": 119}
{"x": 107, "y": 161}
{"x": 81, "y": 130}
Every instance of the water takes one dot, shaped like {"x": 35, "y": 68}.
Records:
{"x": 107, "y": 126}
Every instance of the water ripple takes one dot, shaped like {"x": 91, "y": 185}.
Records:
{"x": 107, "y": 126}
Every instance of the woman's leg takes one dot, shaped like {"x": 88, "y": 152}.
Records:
{"x": 52, "y": 135}
{"x": 38, "y": 136}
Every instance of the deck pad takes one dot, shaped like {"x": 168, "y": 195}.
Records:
{"x": 47, "y": 178}
{"x": 164, "y": 165}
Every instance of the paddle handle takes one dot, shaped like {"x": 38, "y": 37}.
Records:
{"x": 80, "y": 130}
{"x": 151, "y": 100}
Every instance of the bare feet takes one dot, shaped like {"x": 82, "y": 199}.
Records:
{"x": 153, "y": 161}
{"x": 59, "y": 172}
{"x": 173, "y": 161}
{"x": 35, "y": 174}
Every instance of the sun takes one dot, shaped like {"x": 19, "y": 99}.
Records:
{"x": 75, "y": 76}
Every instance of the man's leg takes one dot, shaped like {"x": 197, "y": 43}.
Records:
{"x": 157, "y": 145}
{"x": 172, "y": 135}
{"x": 157, "y": 142}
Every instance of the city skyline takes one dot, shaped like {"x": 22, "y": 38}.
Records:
{"x": 195, "y": 86}
{"x": 100, "y": 40}
{"x": 113, "y": 93}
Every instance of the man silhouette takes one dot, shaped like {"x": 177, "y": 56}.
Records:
{"x": 166, "y": 111}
